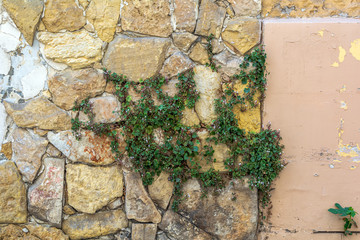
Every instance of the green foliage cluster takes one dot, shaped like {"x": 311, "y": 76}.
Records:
{"x": 347, "y": 213}
{"x": 179, "y": 154}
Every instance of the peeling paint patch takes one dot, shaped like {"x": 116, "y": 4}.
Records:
{"x": 343, "y": 89}
{"x": 347, "y": 150}
{"x": 355, "y": 49}
{"x": 342, "y": 54}
{"x": 321, "y": 33}
{"x": 337, "y": 161}
{"x": 335, "y": 64}
{"x": 343, "y": 105}
{"x": 352, "y": 168}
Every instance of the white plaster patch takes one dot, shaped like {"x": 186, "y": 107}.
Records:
{"x": 34, "y": 82}
{"x": 3, "y": 125}
{"x": 5, "y": 62}
{"x": 9, "y": 37}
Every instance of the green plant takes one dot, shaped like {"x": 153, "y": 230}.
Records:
{"x": 347, "y": 213}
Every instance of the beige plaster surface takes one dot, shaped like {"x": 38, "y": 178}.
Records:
{"x": 313, "y": 97}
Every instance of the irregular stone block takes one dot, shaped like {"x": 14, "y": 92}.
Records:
{"x": 63, "y": 15}
{"x": 38, "y": 112}
{"x": 26, "y": 15}
{"x": 211, "y": 18}
{"x": 46, "y": 194}
{"x": 143, "y": 231}
{"x": 138, "y": 205}
{"x": 175, "y": 64}
{"x": 125, "y": 53}
{"x": 28, "y": 149}
{"x": 199, "y": 54}
{"x": 104, "y": 15}
{"x": 91, "y": 188}
{"x": 106, "y": 109}
{"x": 231, "y": 214}
{"x": 12, "y": 194}
{"x": 147, "y": 17}
{"x": 208, "y": 83}
{"x": 161, "y": 190}
{"x": 183, "y": 40}
{"x": 94, "y": 225}
{"x": 241, "y": 35}
{"x": 76, "y": 49}
{"x": 246, "y": 8}
{"x": 185, "y": 12}
{"x": 31, "y": 232}
{"x": 190, "y": 118}
{"x": 90, "y": 149}
{"x": 6, "y": 149}
{"x": 179, "y": 228}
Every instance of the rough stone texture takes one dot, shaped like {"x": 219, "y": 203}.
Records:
{"x": 69, "y": 86}
{"x": 63, "y": 15}
{"x": 229, "y": 63}
{"x": 179, "y": 228}
{"x": 9, "y": 37}
{"x": 84, "y": 3}
{"x": 116, "y": 204}
{"x": 185, "y": 13}
{"x": 31, "y": 232}
{"x": 246, "y": 8}
{"x": 221, "y": 153}
{"x": 232, "y": 214}
{"x": 28, "y": 149}
{"x": 147, "y": 17}
{"x": 26, "y": 15}
{"x": 91, "y": 188}
{"x": 90, "y": 149}
{"x": 208, "y": 83}
{"x": 143, "y": 231}
{"x": 76, "y": 49}
{"x": 104, "y": 15}
{"x": 6, "y": 149}
{"x": 190, "y": 118}
{"x": 211, "y": 18}
{"x": 161, "y": 190}
{"x": 38, "y": 112}
{"x": 310, "y": 8}
{"x": 183, "y": 40}
{"x": 12, "y": 194}
{"x": 170, "y": 88}
{"x": 241, "y": 35}
{"x": 94, "y": 225}
{"x": 138, "y": 205}
{"x": 176, "y": 64}
{"x": 248, "y": 118}
{"x": 124, "y": 55}
{"x": 106, "y": 109}
{"x": 69, "y": 210}
{"x": 199, "y": 54}
{"x": 46, "y": 194}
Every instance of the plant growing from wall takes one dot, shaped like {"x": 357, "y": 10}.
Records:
{"x": 178, "y": 153}
{"x": 348, "y": 214}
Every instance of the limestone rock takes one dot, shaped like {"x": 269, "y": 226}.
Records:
{"x": 211, "y": 18}
{"x": 89, "y": 149}
{"x": 91, "y": 188}
{"x": 190, "y": 118}
{"x": 51, "y": 151}
{"x": 31, "y": 232}
{"x": 185, "y": 12}
{"x": 179, "y": 228}
{"x": 208, "y": 83}
{"x": 70, "y": 86}
{"x": 76, "y": 49}
{"x": 124, "y": 55}
{"x": 5, "y": 62}
{"x": 147, "y": 17}
{"x": 183, "y": 40}
{"x": 63, "y": 15}
{"x": 242, "y": 34}
{"x": 232, "y": 214}
{"x": 229, "y": 63}
{"x": 143, "y": 231}
{"x": 138, "y": 205}
{"x": 106, "y": 109}
{"x": 69, "y": 210}
{"x": 9, "y": 38}
{"x": 12, "y": 194}
{"x": 6, "y": 149}
{"x": 116, "y": 204}
{"x": 46, "y": 194}
{"x": 175, "y": 64}
{"x": 38, "y": 112}
{"x": 26, "y": 15}
{"x": 28, "y": 149}
{"x": 246, "y": 8}
{"x": 170, "y": 88}
{"x": 94, "y": 225}
{"x": 199, "y": 54}
{"x": 84, "y": 3}
{"x": 104, "y": 15}
{"x": 161, "y": 190}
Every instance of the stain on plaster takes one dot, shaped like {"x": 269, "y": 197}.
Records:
{"x": 343, "y": 89}
{"x": 343, "y": 105}
{"x": 355, "y": 49}
{"x": 335, "y": 64}
{"x": 342, "y": 54}
{"x": 321, "y": 33}
{"x": 347, "y": 150}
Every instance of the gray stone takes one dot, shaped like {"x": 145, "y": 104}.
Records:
{"x": 143, "y": 231}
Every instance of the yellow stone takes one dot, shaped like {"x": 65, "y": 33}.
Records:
{"x": 199, "y": 54}
{"x": 104, "y": 15}
{"x": 241, "y": 35}
{"x": 6, "y": 149}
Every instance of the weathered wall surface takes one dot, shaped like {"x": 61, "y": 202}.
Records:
{"x": 313, "y": 97}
